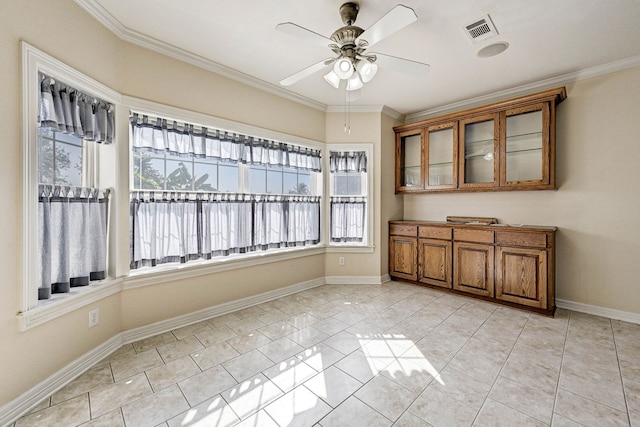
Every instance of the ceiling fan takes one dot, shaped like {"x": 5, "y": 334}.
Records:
{"x": 350, "y": 43}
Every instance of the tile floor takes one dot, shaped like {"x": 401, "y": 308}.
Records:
{"x": 365, "y": 355}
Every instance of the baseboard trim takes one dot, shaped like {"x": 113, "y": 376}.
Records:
{"x": 21, "y": 405}
{"x": 354, "y": 280}
{"x": 167, "y": 325}
{"x": 599, "y": 311}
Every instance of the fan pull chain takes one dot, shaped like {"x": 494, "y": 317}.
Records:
{"x": 347, "y": 113}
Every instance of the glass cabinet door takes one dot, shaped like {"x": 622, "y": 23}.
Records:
{"x": 441, "y": 153}
{"x": 409, "y": 159}
{"x": 479, "y": 152}
{"x": 526, "y": 146}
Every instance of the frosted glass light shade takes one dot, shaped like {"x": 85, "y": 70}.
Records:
{"x": 343, "y": 68}
{"x": 367, "y": 70}
{"x": 332, "y": 78}
{"x": 354, "y": 83}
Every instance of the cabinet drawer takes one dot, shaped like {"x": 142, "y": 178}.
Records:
{"x": 471, "y": 235}
{"x": 443, "y": 233}
{"x": 403, "y": 230}
{"x": 513, "y": 238}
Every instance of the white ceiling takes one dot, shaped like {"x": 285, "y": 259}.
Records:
{"x": 549, "y": 39}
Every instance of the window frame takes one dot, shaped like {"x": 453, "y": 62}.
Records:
{"x": 34, "y": 62}
{"x": 367, "y": 193}
{"x": 111, "y": 159}
{"x": 154, "y": 109}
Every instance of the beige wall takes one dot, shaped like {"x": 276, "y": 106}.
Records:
{"x": 64, "y": 31}
{"x": 365, "y": 128}
{"x": 597, "y": 202}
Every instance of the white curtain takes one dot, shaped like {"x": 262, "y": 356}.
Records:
{"x": 226, "y": 224}
{"x": 304, "y": 220}
{"x": 283, "y": 221}
{"x": 348, "y": 219}
{"x": 72, "y": 237}
{"x": 348, "y": 161}
{"x": 177, "y": 227}
{"x": 270, "y": 222}
{"x": 163, "y": 230}
{"x": 65, "y": 109}
{"x": 183, "y": 139}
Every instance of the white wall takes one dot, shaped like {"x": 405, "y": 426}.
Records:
{"x": 597, "y": 202}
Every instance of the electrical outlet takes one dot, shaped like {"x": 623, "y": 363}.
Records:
{"x": 341, "y": 260}
{"x": 94, "y": 317}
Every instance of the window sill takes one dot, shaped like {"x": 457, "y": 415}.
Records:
{"x": 170, "y": 272}
{"x": 58, "y": 306}
{"x": 66, "y": 303}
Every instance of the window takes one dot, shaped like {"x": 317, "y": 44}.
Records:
{"x": 279, "y": 180}
{"x": 169, "y": 172}
{"x": 200, "y": 193}
{"x": 60, "y": 158}
{"x": 348, "y": 197}
{"x": 67, "y": 116}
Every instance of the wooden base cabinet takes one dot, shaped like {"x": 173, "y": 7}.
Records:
{"x": 473, "y": 266}
{"x": 434, "y": 262}
{"x": 402, "y": 257}
{"x": 510, "y": 265}
{"x": 521, "y": 276}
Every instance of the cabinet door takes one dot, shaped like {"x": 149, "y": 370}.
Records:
{"x": 434, "y": 262}
{"x": 478, "y": 152}
{"x": 403, "y": 257}
{"x": 441, "y": 155}
{"x": 526, "y": 147}
{"x": 473, "y": 268}
{"x": 521, "y": 276}
{"x": 409, "y": 163}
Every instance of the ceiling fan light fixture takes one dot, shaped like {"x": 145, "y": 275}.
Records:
{"x": 343, "y": 68}
{"x": 367, "y": 70}
{"x": 332, "y": 78}
{"x": 354, "y": 83}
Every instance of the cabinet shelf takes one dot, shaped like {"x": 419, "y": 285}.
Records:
{"x": 440, "y": 164}
{"x": 526, "y": 150}
{"x": 524, "y": 136}
{"x": 480, "y": 142}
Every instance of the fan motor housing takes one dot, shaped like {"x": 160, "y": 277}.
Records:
{"x": 346, "y": 35}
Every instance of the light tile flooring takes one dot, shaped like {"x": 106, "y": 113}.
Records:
{"x": 365, "y": 355}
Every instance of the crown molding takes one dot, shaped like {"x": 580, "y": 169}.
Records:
{"x": 99, "y": 13}
{"x": 612, "y": 67}
{"x": 365, "y": 109}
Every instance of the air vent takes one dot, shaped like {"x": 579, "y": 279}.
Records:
{"x": 480, "y": 29}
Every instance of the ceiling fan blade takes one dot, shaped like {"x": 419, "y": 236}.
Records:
{"x": 405, "y": 66}
{"x": 294, "y": 78}
{"x": 395, "y": 20}
{"x": 303, "y": 33}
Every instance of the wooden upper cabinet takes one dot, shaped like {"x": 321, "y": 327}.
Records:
{"x": 409, "y": 161}
{"x": 479, "y": 153}
{"x": 440, "y": 155}
{"x": 508, "y": 145}
{"x": 525, "y": 147}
